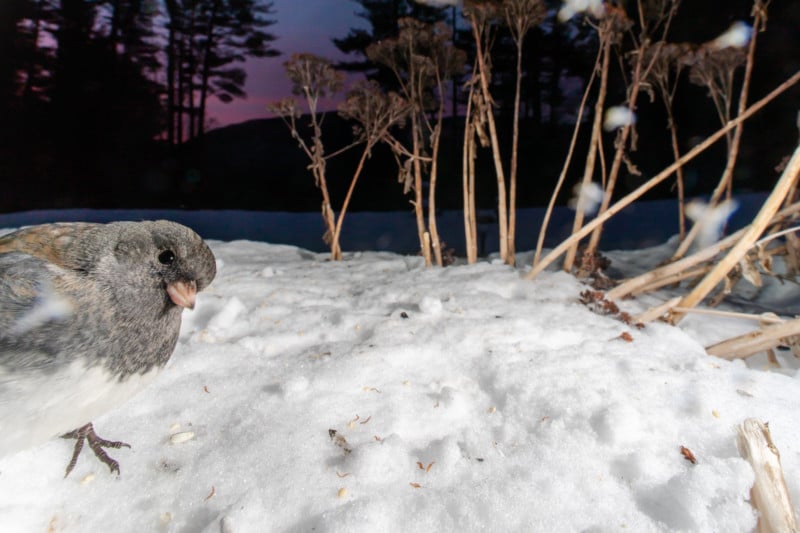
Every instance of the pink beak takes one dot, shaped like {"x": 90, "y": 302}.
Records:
{"x": 183, "y": 293}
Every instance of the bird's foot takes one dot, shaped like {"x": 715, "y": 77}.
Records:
{"x": 86, "y": 433}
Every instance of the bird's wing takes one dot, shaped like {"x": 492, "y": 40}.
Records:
{"x": 47, "y": 242}
{"x": 29, "y": 306}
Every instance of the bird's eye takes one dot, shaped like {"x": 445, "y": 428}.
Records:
{"x": 167, "y": 257}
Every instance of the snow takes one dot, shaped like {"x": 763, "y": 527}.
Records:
{"x": 737, "y": 36}
{"x": 373, "y": 394}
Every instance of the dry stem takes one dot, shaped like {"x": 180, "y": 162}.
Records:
{"x": 480, "y": 31}
{"x": 641, "y": 72}
{"x": 677, "y": 271}
{"x": 606, "y": 36}
{"x": 562, "y": 177}
{"x": 752, "y": 232}
{"x": 756, "y": 341}
{"x": 769, "y": 494}
{"x": 664, "y": 174}
{"x": 726, "y": 181}
{"x": 468, "y": 183}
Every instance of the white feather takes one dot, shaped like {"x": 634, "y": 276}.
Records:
{"x": 49, "y": 306}
{"x": 39, "y": 406}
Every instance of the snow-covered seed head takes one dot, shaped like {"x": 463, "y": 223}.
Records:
{"x": 711, "y": 220}
{"x": 737, "y": 36}
{"x": 586, "y": 198}
{"x": 618, "y": 117}
{"x": 596, "y": 8}
{"x": 440, "y": 3}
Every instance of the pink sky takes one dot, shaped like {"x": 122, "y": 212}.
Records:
{"x": 309, "y": 28}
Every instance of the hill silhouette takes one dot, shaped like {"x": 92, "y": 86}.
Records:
{"x": 256, "y": 165}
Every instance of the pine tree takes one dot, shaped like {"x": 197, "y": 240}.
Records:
{"x": 208, "y": 40}
{"x": 383, "y": 17}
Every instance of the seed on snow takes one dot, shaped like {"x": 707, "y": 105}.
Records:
{"x": 181, "y": 437}
{"x": 342, "y": 493}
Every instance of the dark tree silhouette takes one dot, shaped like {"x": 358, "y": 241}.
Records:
{"x": 11, "y": 13}
{"x": 131, "y": 31}
{"x": 208, "y": 40}
{"x": 104, "y": 112}
{"x": 384, "y": 18}
{"x": 24, "y": 59}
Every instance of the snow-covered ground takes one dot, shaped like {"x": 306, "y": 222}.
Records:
{"x": 376, "y": 395}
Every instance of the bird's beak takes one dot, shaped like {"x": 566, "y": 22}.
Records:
{"x": 183, "y": 293}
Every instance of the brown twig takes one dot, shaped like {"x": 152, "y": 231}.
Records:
{"x": 480, "y": 15}
{"x": 726, "y": 181}
{"x": 641, "y": 71}
{"x": 752, "y": 233}
{"x": 606, "y": 34}
{"x": 678, "y": 270}
{"x": 664, "y": 174}
{"x": 562, "y": 177}
{"x": 754, "y": 342}
{"x": 520, "y": 17}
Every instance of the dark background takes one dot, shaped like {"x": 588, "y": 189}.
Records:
{"x": 86, "y": 114}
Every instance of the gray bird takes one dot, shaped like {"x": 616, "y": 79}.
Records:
{"x": 89, "y": 313}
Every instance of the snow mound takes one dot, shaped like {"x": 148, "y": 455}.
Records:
{"x": 375, "y": 395}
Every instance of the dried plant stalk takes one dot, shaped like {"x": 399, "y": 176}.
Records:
{"x": 751, "y": 235}
{"x": 656, "y": 312}
{"x": 468, "y": 182}
{"x": 728, "y": 68}
{"x": 653, "y": 278}
{"x": 607, "y": 36}
{"x": 563, "y": 176}
{"x": 376, "y": 113}
{"x": 762, "y": 318}
{"x": 769, "y": 494}
{"x": 754, "y": 342}
{"x": 313, "y": 78}
{"x": 481, "y": 15}
{"x": 520, "y": 17}
{"x": 655, "y": 180}
{"x": 665, "y": 75}
{"x": 671, "y": 279}
{"x": 655, "y": 15}
{"x": 422, "y": 58}
{"x": 673, "y": 272}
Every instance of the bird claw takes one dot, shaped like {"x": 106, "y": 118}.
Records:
{"x": 86, "y": 433}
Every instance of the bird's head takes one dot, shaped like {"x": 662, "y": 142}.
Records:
{"x": 143, "y": 257}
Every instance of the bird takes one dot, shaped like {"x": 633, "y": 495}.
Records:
{"x": 89, "y": 313}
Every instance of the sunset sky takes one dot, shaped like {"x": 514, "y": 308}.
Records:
{"x": 306, "y": 29}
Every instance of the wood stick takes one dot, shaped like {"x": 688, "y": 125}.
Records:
{"x": 654, "y": 313}
{"x": 651, "y": 279}
{"x": 769, "y": 494}
{"x": 752, "y": 233}
{"x": 658, "y": 178}
{"x": 763, "y": 318}
{"x": 638, "y": 284}
{"x": 756, "y": 341}
{"x": 673, "y": 278}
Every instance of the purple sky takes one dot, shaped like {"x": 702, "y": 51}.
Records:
{"x": 309, "y": 28}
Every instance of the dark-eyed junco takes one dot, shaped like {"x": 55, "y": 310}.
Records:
{"x": 88, "y": 315}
